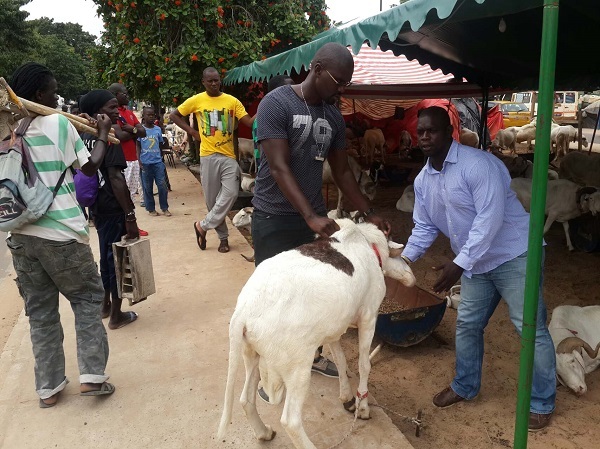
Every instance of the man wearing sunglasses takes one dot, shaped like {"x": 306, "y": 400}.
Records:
{"x": 299, "y": 128}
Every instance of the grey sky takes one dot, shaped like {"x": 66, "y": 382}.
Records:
{"x": 84, "y": 11}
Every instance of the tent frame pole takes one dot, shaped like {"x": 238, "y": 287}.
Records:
{"x": 483, "y": 126}
{"x": 594, "y": 133}
{"x": 536, "y": 223}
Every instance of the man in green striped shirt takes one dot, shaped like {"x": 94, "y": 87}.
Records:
{"x": 53, "y": 255}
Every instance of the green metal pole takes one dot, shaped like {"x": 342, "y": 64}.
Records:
{"x": 536, "y": 224}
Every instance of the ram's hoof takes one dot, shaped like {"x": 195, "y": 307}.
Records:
{"x": 270, "y": 434}
{"x": 350, "y": 405}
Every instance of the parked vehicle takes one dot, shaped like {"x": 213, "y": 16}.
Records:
{"x": 513, "y": 114}
{"x": 566, "y": 104}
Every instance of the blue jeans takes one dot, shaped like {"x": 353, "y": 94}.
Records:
{"x": 154, "y": 173}
{"x": 479, "y": 297}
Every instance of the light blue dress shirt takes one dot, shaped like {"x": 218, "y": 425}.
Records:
{"x": 470, "y": 202}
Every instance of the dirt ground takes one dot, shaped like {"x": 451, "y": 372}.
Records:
{"x": 404, "y": 380}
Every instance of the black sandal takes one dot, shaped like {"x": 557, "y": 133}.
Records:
{"x": 202, "y": 242}
{"x": 224, "y": 246}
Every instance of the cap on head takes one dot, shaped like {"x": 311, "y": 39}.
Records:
{"x": 93, "y": 101}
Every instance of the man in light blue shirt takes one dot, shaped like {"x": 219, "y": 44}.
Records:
{"x": 465, "y": 194}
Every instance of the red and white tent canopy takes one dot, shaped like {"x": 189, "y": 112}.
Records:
{"x": 382, "y": 82}
{"x": 373, "y": 66}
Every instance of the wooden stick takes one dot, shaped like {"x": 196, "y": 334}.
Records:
{"x": 79, "y": 123}
{"x": 13, "y": 97}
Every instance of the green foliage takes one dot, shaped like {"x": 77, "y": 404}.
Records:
{"x": 14, "y": 39}
{"x": 63, "y": 47}
{"x": 66, "y": 50}
{"x": 69, "y": 68}
{"x": 81, "y": 41}
{"x": 158, "y": 48}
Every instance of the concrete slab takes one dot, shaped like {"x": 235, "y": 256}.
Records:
{"x": 169, "y": 366}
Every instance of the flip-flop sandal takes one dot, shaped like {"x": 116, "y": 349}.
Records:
{"x": 44, "y": 405}
{"x": 224, "y": 246}
{"x": 105, "y": 388}
{"x": 202, "y": 242}
{"x": 131, "y": 317}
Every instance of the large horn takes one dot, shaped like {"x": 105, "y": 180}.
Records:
{"x": 592, "y": 353}
{"x": 584, "y": 191}
{"x": 570, "y": 344}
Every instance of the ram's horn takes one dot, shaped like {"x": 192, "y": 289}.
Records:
{"x": 571, "y": 344}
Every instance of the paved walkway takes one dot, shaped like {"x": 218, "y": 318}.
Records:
{"x": 170, "y": 366}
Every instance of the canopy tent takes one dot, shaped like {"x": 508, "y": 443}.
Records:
{"x": 462, "y": 37}
{"x": 374, "y": 69}
{"x": 492, "y": 43}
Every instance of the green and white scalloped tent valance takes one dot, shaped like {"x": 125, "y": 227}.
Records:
{"x": 412, "y": 14}
{"x": 463, "y": 37}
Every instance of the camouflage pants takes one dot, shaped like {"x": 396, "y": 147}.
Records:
{"x": 44, "y": 269}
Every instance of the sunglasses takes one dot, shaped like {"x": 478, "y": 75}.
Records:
{"x": 337, "y": 82}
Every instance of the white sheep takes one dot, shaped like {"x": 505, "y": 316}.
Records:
{"x": 406, "y": 203}
{"x": 574, "y": 331}
{"x": 565, "y": 200}
{"x": 297, "y": 301}
{"x": 247, "y": 183}
{"x": 506, "y": 139}
{"x": 246, "y": 151}
{"x": 243, "y": 219}
{"x": 469, "y": 138}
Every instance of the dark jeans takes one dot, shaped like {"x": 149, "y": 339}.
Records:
{"x": 110, "y": 230}
{"x": 274, "y": 234}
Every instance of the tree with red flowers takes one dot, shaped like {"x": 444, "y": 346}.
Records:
{"x": 158, "y": 48}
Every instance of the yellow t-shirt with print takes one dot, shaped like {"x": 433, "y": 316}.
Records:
{"x": 216, "y": 118}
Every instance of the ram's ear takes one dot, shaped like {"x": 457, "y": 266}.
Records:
{"x": 399, "y": 270}
{"x": 395, "y": 248}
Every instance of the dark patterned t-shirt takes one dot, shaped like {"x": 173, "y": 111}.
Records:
{"x": 283, "y": 115}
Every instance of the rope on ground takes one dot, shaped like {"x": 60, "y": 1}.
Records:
{"x": 417, "y": 421}
{"x": 349, "y": 432}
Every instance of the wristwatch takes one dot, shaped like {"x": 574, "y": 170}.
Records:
{"x": 134, "y": 131}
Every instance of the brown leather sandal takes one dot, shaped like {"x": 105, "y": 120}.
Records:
{"x": 224, "y": 246}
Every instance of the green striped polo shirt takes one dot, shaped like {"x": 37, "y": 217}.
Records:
{"x": 55, "y": 145}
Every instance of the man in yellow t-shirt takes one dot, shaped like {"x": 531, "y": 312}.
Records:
{"x": 216, "y": 113}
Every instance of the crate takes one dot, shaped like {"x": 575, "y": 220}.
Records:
{"x": 133, "y": 268}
